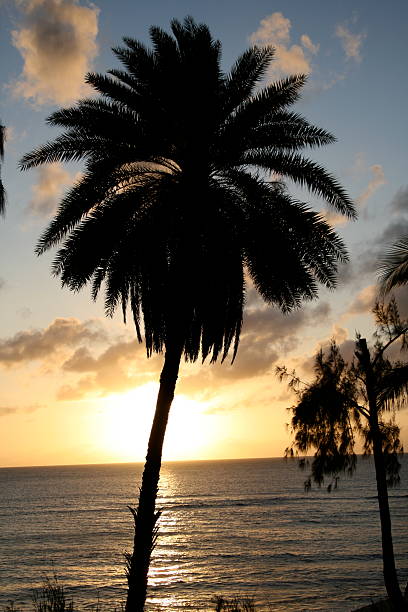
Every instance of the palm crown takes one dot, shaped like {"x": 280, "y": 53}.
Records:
{"x": 174, "y": 205}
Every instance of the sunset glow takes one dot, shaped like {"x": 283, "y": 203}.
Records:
{"x": 125, "y": 422}
{"x": 76, "y": 386}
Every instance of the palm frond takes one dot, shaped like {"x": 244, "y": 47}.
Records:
{"x": 262, "y": 107}
{"x": 288, "y": 131}
{"x": 71, "y": 146}
{"x": 393, "y": 267}
{"x": 2, "y": 198}
{"x": 173, "y": 204}
{"x": 138, "y": 60}
{"x": 305, "y": 173}
{"x": 2, "y": 140}
{"x": 246, "y": 73}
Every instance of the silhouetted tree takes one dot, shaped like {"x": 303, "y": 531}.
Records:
{"x": 358, "y": 400}
{"x": 2, "y": 190}
{"x": 175, "y": 204}
{"x": 393, "y": 266}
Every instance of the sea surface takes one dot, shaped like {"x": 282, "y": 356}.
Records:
{"x": 243, "y": 527}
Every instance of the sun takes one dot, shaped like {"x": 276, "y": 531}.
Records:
{"x": 126, "y": 419}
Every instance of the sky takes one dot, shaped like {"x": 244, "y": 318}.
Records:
{"x": 76, "y": 387}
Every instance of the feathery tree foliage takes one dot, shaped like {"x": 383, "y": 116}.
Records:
{"x": 347, "y": 402}
{"x": 180, "y": 197}
{"x": 2, "y": 190}
{"x": 393, "y": 266}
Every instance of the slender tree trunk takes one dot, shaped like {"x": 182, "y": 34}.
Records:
{"x": 390, "y": 573}
{"x": 389, "y": 570}
{"x": 145, "y": 515}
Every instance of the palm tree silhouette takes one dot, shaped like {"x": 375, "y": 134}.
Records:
{"x": 2, "y": 190}
{"x": 177, "y": 201}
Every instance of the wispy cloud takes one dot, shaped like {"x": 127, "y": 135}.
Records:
{"x": 8, "y": 410}
{"x": 290, "y": 58}
{"x": 57, "y": 41}
{"x": 52, "y": 179}
{"x": 399, "y": 203}
{"x": 307, "y": 43}
{"x": 378, "y": 179}
{"x": 351, "y": 43}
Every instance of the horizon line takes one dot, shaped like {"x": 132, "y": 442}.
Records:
{"x": 142, "y": 462}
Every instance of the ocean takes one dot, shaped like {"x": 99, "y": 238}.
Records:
{"x": 242, "y": 527}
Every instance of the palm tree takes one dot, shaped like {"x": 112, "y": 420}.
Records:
{"x": 358, "y": 399}
{"x": 176, "y": 203}
{"x": 393, "y": 266}
{"x": 2, "y": 191}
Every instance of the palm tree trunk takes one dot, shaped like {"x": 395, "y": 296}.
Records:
{"x": 389, "y": 570}
{"x": 145, "y": 515}
{"x": 390, "y": 573}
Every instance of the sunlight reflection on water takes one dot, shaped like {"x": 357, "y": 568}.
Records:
{"x": 230, "y": 528}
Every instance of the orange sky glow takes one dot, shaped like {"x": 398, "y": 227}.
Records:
{"x": 76, "y": 387}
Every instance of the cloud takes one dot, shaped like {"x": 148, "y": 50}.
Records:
{"x": 399, "y": 203}
{"x": 401, "y": 297}
{"x": 267, "y": 328}
{"x": 377, "y": 180}
{"x": 290, "y": 59}
{"x": 360, "y": 165}
{"x": 344, "y": 274}
{"x": 69, "y": 345}
{"x": 7, "y": 410}
{"x": 333, "y": 79}
{"x": 351, "y": 43}
{"x": 369, "y": 258}
{"x": 122, "y": 366}
{"x": 24, "y": 312}
{"x": 9, "y": 133}
{"x": 395, "y": 229}
{"x": 63, "y": 333}
{"x": 364, "y": 302}
{"x": 307, "y": 43}
{"x": 57, "y": 41}
{"x": 52, "y": 179}
{"x": 305, "y": 366}
{"x": 267, "y": 336}
{"x": 334, "y": 219}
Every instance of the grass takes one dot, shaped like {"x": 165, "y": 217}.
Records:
{"x": 236, "y": 604}
{"x": 51, "y": 597}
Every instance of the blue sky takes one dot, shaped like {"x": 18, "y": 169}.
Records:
{"x": 355, "y": 54}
